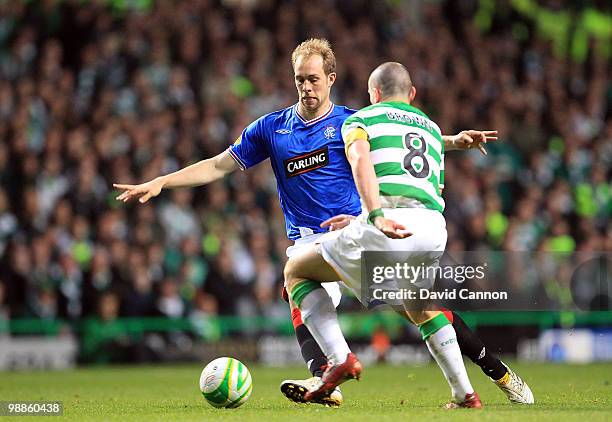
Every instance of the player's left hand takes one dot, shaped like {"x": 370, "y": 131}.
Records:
{"x": 390, "y": 228}
{"x": 469, "y": 139}
{"x": 337, "y": 222}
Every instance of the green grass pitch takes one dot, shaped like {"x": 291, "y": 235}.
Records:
{"x": 170, "y": 393}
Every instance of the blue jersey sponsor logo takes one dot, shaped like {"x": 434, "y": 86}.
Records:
{"x": 306, "y": 162}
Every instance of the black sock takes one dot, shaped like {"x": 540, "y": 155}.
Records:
{"x": 474, "y": 348}
{"x": 311, "y": 352}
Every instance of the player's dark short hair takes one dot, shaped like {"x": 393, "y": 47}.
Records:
{"x": 391, "y": 78}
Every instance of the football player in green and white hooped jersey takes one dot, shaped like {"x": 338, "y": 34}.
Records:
{"x": 404, "y": 150}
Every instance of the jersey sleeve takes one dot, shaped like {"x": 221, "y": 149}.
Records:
{"x": 353, "y": 122}
{"x": 353, "y": 128}
{"x": 250, "y": 149}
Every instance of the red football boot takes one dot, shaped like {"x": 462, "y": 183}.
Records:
{"x": 335, "y": 375}
{"x": 472, "y": 401}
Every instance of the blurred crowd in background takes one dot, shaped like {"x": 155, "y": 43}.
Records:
{"x": 93, "y": 93}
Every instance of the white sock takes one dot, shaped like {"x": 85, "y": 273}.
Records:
{"x": 444, "y": 348}
{"x": 319, "y": 315}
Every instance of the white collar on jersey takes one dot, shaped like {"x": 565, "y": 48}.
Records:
{"x": 316, "y": 119}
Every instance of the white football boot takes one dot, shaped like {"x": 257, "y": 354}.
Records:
{"x": 514, "y": 388}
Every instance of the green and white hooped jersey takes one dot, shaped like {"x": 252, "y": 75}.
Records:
{"x": 407, "y": 151}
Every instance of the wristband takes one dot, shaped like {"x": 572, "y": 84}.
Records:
{"x": 378, "y": 212}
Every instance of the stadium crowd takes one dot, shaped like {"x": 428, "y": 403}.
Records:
{"x": 91, "y": 95}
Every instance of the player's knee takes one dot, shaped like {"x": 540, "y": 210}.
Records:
{"x": 290, "y": 275}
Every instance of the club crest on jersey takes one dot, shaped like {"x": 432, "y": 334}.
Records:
{"x": 304, "y": 163}
{"x": 329, "y": 132}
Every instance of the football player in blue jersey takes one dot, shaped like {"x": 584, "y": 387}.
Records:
{"x": 315, "y": 184}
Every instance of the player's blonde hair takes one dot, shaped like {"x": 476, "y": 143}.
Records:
{"x": 315, "y": 46}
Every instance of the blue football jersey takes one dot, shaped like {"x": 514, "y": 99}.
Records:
{"x": 313, "y": 176}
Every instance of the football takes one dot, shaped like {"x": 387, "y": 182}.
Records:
{"x": 226, "y": 382}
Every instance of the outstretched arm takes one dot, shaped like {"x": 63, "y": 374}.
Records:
{"x": 197, "y": 174}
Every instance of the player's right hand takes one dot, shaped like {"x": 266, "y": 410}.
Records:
{"x": 145, "y": 191}
{"x": 468, "y": 139}
{"x": 337, "y": 222}
{"x": 391, "y": 229}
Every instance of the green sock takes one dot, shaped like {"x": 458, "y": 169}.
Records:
{"x": 299, "y": 292}
{"x": 430, "y": 327}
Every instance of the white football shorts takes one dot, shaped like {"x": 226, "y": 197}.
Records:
{"x": 425, "y": 247}
{"x": 333, "y": 288}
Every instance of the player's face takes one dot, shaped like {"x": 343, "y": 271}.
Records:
{"x": 312, "y": 84}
